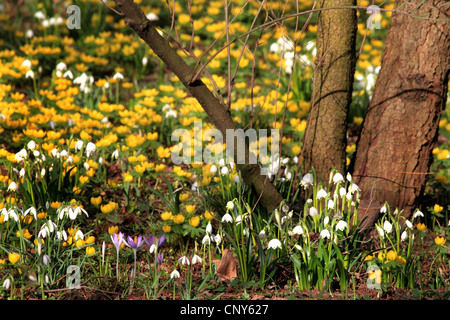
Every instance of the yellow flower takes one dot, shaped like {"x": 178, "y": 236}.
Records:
{"x": 437, "y": 208}
{"x": 96, "y": 201}
{"x": 194, "y": 221}
{"x": 369, "y": 257}
{"x": 184, "y": 197}
{"x": 178, "y": 219}
{"x": 55, "y": 204}
{"x": 80, "y": 242}
{"x": 13, "y": 257}
{"x": 381, "y": 256}
{"x": 25, "y": 233}
{"x": 127, "y": 177}
{"x": 166, "y": 228}
{"x": 421, "y": 226}
{"x": 439, "y": 241}
{"x": 113, "y": 229}
{"x": 90, "y": 250}
{"x": 90, "y": 239}
{"x": 166, "y": 216}
{"x": 400, "y": 260}
{"x": 209, "y": 215}
{"x": 391, "y": 255}
{"x": 190, "y": 208}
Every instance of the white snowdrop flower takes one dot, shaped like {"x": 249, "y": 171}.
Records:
{"x": 313, "y": 212}
{"x": 90, "y": 149}
{"x": 61, "y": 66}
{"x": 404, "y": 235}
{"x": 262, "y": 235}
{"x": 196, "y": 259}
{"x": 61, "y": 235}
{"x": 46, "y": 23}
{"x": 298, "y": 230}
{"x": 86, "y": 166}
{"x": 349, "y": 196}
{"x": 230, "y": 205}
{"x": 206, "y": 240}
{"x": 224, "y": 170}
{"x": 194, "y": 186}
{"x": 31, "y": 210}
{"x": 321, "y": 194}
{"x": 338, "y": 177}
{"x": 213, "y": 169}
{"x": 22, "y": 172}
{"x": 349, "y": 177}
{"x": 208, "y": 228}
{"x": 31, "y": 145}
{"x": 115, "y": 154}
{"x": 46, "y": 260}
{"x": 153, "y": 248}
{"x": 222, "y": 162}
{"x": 64, "y": 153}
{"x": 52, "y": 21}
{"x": 59, "y": 21}
{"x": 326, "y": 220}
{"x": 295, "y": 159}
{"x": 144, "y": 61}
{"x": 342, "y": 192}
{"x": 217, "y": 239}
{"x": 409, "y": 224}
{"x": 387, "y": 226}
{"x": 27, "y": 64}
{"x": 78, "y": 235}
{"x": 227, "y": 218}
{"x": 6, "y": 284}
{"x": 383, "y": 209}
{"x": 380, "y": 231}
{"x": 307, "y": 180}
{"x": 171, "y": 114}
{"x": 354, "y": 188}
{"x": 43, "y": 172}
{"x": 13, "y": 186}
{"x": 68, "y": 74}
{"x": 341, "y": 225}
{"x": 330, "y": 204}
{"x": 325, "y": 234}
{"x": 175, "y": 274}
{"x": 78, "y": 210}
{"x": 29, "y": 74}
{"x": 184, "y": 260}
{"x": 274, "y": 244}
{"x": 309, "y": 201}
{"x": 39, "y": 15}
{"x": 417, "y": 214}
{"x": 118, "y": 76}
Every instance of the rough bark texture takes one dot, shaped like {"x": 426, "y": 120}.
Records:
{"x": 402, "y": 121}
{"x": 218, "y": 114}
{"x": 325, "y": 140}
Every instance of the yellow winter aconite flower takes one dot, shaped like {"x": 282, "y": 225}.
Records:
{"x": 96, "y": 201}
{"x": 113, "y": 229}
{"x": 184, "y": 197}
{"x": 178, "y": 219}
{"x": 25, "y": 233}
{"x": 166, "y": 215}
{"x": 439, "y": 241}
{"x": 166, "y": 228}
{"x": 13, "y": 257}
{"x": 209, "y": 215}
{"x": 90, "y": 239}
{"x": 109, "y": 207}
{"x": 90, "y": 250}
{"x": 190, "y": 208}
{"x": 127, "y": 177}
{"x": 421, "y": 226}
{"x": 437, "y": 208}
{"x": 391, "y": 255}
{"x": 194, "y": 221}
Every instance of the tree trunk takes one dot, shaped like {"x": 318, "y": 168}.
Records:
{"x": 218, "y": 114}
{"x": 402, "y": 121}
{"x": 325, "y": 139}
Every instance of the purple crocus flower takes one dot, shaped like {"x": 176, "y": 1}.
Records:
{"x": 135, "y": 243}
{"x": 160, "y": 259}
{"x": 151, "y": 240}
{"x": 117, "y": 239}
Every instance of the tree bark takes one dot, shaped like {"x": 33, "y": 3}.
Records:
{"x": 401, "y": 124}
{"x": 325, "y": 139}
{"x": 219, "y": 115}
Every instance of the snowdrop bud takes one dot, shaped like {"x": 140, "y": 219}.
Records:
{"x": 22, "y": 172}
{"x": 404, "y": 235}
{"x": 46, "y": 260}
{"x": 115, "y": 154}
{"x": 326, "y": 220}
{"x": 213, "y": 169}
{"x": 330, "y": 204}
{"x": 31, "y": 145}
{"x": 224, "y": 170}
{"x": 409, "y": 224}
{"x": 230, "y": 205}
{"x": 383, "y": 209}
{"x": 342, "y": 192}
{"x": 349, "y": 177}
{"x": 313, "y": 211}
{"x": 380, "y": 231}
{"x": 36, "y": 153}
{"x": 387, "y": 226}
{"x": 209, "y": 228}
